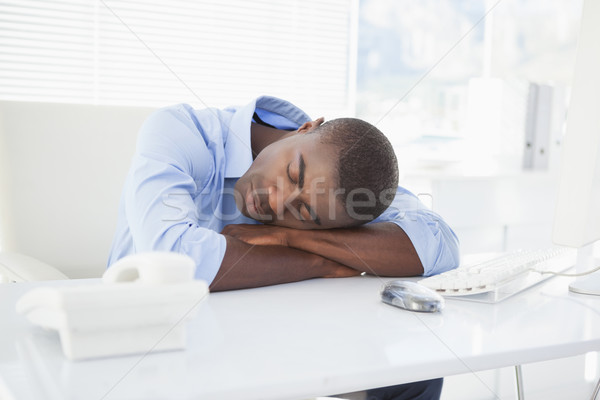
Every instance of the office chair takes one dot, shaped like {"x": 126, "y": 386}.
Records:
{"x": 62, "y": 168}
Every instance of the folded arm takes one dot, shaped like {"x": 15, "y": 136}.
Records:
{"x": 381, "y": 249}
{"x": 247, "y": 265}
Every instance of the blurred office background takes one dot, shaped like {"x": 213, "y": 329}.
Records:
{"x": 472, "y": 93}
{"x": 448, "y": 78}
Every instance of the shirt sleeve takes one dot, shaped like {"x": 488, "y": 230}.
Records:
{"x": 435, "y": 242}
{"x": 171, "y": 166}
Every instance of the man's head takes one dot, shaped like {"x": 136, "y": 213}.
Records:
{"x": 338, "y": 174}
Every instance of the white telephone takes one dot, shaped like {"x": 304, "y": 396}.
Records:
{"x": 154, "y": 268}
{"x": 141, "y": 306}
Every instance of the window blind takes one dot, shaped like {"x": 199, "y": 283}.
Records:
{"x": 155, "y": 53}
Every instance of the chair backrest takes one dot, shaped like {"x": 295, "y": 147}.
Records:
{"x": 62, "y": 168}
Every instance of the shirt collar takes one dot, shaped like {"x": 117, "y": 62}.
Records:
{"x": 277, "y": 112}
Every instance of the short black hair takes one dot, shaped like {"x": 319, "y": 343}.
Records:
{"x": 367, "y": 166}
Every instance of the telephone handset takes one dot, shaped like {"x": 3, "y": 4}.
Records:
{"x": 152, "y": 268}
{"x": 142, "y": 297}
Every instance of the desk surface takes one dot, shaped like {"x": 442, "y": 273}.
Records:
{"x": 305, "y": 339}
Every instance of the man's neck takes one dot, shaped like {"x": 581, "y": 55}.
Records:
{"x": 261, "y": 136}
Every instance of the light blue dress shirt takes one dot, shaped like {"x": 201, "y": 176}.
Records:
{"x": 178, "y": 194}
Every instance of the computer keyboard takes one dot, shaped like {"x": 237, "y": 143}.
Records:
{"x": 494, "y": 280}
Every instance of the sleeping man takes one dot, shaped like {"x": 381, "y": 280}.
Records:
{"x": 262, "y": 194}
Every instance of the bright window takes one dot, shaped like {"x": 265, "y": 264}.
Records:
{"x": 155, "y": 53}
{"x": 448, "y": 80}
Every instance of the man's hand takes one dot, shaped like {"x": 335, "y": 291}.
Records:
{"x": 381, "y": 248}
{"x": 258, "y": 234}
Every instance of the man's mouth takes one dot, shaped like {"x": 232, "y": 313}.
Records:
{"x": 253, "y": 203}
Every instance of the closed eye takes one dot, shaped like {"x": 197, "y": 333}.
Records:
{"x": 312, "y": 215}
{"x": 304, "y": 213}
{"x": 290, "y": 176}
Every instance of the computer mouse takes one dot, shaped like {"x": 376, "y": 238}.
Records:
{"x": 411, "y": 296}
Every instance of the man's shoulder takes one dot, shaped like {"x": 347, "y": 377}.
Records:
{"x": 183, "y": 122}
{"x": 186, "y": 115}
{"x": 192, "y": 140}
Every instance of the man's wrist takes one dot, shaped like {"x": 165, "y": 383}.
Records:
{"x": 295, "y": 237}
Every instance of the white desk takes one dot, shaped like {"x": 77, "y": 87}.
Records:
{"x": 305, "y": 339}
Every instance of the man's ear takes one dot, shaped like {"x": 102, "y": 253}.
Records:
{"x": 309, "y": 126}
